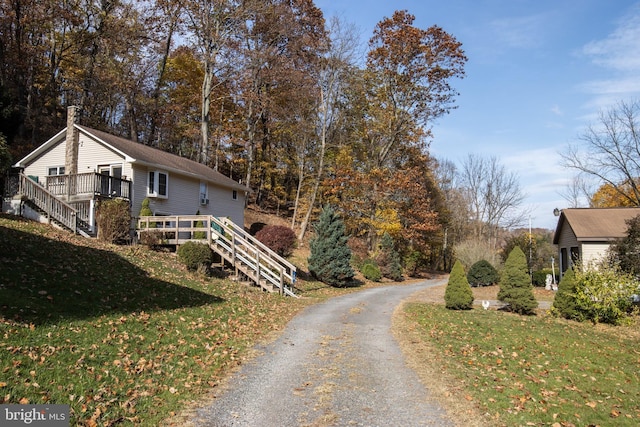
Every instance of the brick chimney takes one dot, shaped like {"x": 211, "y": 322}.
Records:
{"x": 72, "y": 141}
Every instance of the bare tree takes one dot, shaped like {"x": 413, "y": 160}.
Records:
{"x": 331, "y": 78}
{"x": 578, "y": 189}
{"x": 494, "y": 195}
{"x": 609, "y": 151}
{"x": 212, "y": 24}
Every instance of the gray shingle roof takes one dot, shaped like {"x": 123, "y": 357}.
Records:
{"x": 143, "y": 154}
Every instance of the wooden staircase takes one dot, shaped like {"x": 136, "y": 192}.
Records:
{"x": 246, "y": 254}
{"x": 43, "y": 200}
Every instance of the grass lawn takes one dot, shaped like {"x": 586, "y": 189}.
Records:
{"x": 535, "y": 370}
{"x": 127, "y": 336}
{"x": 122, "y": 334}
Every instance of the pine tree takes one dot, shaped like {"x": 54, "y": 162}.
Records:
{"x": 458, "y": 294}
{"x": 516, "y": 289}
{"x": 389, "y": 259}
{"x": 564, "y": 303}
{"x": 330, "y": 259}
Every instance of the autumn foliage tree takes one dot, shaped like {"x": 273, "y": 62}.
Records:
{"x": 263, "y": 91}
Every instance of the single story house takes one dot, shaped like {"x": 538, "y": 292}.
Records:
{"x": 80, "y": 166}
{"x": 585, "y": 234}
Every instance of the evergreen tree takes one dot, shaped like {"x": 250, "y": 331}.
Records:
{"x": 627, "y": 249}
{"x": 564, "y": 303}
{"x": 516, "y": 289}
{"x": 458, "y": 294}
{"x": 389, "y": 259}
{"x": 330, "y": 259}
{"x": 482, "y": 273}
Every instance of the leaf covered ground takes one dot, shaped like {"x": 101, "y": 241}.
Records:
{"x": 122, "y": 334}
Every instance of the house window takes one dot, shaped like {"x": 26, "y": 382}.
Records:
{"x": 204, "y": 193}
{"x": 235, "y": 195}
{"x": 158, "y": 184}
{"x": 55, "y": 170}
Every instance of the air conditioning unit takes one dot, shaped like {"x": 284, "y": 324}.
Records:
{"x": 204, "y": 201}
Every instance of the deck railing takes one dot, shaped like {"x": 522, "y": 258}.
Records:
{"x": 247, "y": 254}
{"x": 90, "y": 183}
{"x": 53, "y": 207}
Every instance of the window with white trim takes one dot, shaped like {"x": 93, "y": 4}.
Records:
{"x": 55, "y": 170}
{"x": 158, "y": 184}
{"x": 204, "y": 193}
{"x": 235, "y": 195}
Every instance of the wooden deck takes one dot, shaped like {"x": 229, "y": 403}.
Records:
{"x": 245, "y": 253}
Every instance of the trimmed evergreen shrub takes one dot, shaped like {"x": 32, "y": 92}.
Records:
{"x": 482, "y": 273}
{"x": 565, "y": 303}
{"x": 113, "y": 219}
{"x": 145, "y": 210}
{"x": 371, "y": 271}
{"x": 515, "y": 284}
{"x": 389, "y": 259}
{"x": 195, "y": 255}
{"x": 282, "y": 240}
{"x": 330, "y": 259}
{"x": 458, "y": 294}
{"x": 199, "y": 224}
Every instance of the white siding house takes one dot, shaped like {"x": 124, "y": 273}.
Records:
{"x": 173, "y": 185}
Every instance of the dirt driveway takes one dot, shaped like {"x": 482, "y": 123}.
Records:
{"x": 335, "y": 364}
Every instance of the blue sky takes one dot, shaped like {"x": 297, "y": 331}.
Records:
{"x": 538, "y": 73}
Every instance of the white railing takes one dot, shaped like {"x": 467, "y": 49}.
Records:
{"x": 232, "y": 242}
{"x": 50, "y": 205}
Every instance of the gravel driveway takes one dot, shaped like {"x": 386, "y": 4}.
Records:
{"x": 335, "y": 364}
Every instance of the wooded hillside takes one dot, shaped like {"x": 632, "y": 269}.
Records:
{"x": 266, "y": 92}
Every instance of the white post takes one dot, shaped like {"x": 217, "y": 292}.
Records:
{"x": 92, "y": 221}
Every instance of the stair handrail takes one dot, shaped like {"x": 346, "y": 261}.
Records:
{"x": 226, "y": 223}
{"x": 232, "y": 243}
{"x": 49, "y": 203}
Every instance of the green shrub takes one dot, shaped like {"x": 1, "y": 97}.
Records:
{"x": 540, "y": 277}
{"x": 515, "y": 284}
{"x": 199, "y": 224}
{"x": 565, "y": 303}
{"x": 195, "y": 255}
{"x": 371, "y": 271}
{"x": 604, "y": 295}
{"x": 282, "y": 240}
{"x": 145, "y": 210}
{"x": 330, "y": 259}
{"x": 113, "y": 219}
{"x": 458, "y": 294}
{"x": 482, "y": 273}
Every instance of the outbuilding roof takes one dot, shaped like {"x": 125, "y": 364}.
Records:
{"x": 595, "y": 224}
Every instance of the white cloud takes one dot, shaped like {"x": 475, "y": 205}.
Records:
{"x": 521, "y": 32}
{"x": 621, "y": 49}
{"x": 557, "y": 111}
{"x": 619, "y": 54}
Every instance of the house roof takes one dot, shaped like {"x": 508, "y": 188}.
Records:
{"x": 595, "y": 224}
{"x": 142, "y": 154}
